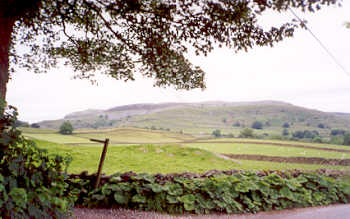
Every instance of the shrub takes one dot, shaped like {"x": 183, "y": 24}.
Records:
{"x": 35, "y": 125}
{"x": 346, "y": 140}
{"x": 216, "y": 133}
{"x": 66, "y": 128}
{"x": 335, "y": 132}
{"x": 286, "y": 125}
{"x": 236, "y": 124}
{"x": 31, "y": 181}
{"x": 339, "y": 140}
{"x": 246, "y": 133}
{"x": 298, "y": 134}
{"x": 305, "y": 134}
{"x": 317, "y": 140}
{"x": 257, "y": 125}
{"x": 321, "y": 125}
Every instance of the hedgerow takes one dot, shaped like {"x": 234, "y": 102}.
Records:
{"x": 32, "y": 182}
{"x": 240, "y": 192}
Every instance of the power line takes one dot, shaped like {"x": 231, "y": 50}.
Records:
{"x": 321, "y": 44}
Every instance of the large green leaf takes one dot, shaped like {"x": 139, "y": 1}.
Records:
{"x": 173, "y": 189}
{"x": 156, "y": 188}
{"x": 121, "y": 198}
{"x": 188, "y": 198}
{"x": 287, "y": 193}
{"x": 204, "y": 203}
{"x": 144, "y": 176}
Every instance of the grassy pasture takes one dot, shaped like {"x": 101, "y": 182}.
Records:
{"x": 57, "y": 138}
{"x": 160, "y": 159}
{"x": 139, "y": 158}
{"x": 165, "y": 158}
{"x": 133, "y": 135}
{"x": 125, "y": 135}
{"x": 267, "y": 141}
{"x": 265, "y": 149}
{"x": 37, "y": 131}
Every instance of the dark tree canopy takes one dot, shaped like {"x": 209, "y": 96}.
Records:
{"x": 257, "y": 125}
{"x": 66, "y": 128}
{"x": 121, "y": 37}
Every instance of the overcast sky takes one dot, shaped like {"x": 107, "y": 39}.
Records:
{"x": 297, "y": 71}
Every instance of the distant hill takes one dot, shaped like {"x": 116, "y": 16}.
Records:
{"x": 203, "y": 117}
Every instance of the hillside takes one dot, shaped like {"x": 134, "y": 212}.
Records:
{"x": 203, "y": 117}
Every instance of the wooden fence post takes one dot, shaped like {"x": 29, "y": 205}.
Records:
{"x": 102, "y": 159}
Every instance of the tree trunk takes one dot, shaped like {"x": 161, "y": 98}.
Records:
{"x": 6, "y": 28}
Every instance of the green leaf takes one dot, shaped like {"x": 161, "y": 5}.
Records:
{"x": 139, "y": 198}
{"x": 19, "y": 196}
{"x": 125, "y": 187}
{"x": 220, "y": 204}
{"x": 121, "y": 198}
{"x": 98, "y": 197}
{"x": 311, "y": 185}
{"x": 144, "y": 176}
{"x": 189, "y": 198}
{"x": 189, "y": 206}
{"x": 287, "y": 193}
{"x": 115, "y": 179}
{"x": 242, "y": 187}
{"x": 172, "y": 199}
{"x": 114, "y": 187}
{"x": 173, "y": 189}
{"x": 106, "y": 190}
{"x": 204, "y": 203}
{"x": 156, "y": 188}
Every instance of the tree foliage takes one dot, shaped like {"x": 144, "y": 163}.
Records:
{"x": 153, "y": 37}
{"x": 257, "y": 125}
{"x": 246, "y": 133}
{"x": 217, "y": 133}
{"x": 306, "y": 134}
{"x": 321, "y": 126}
{"x": 66, "y": 128}
{"x": 286, "y": 125}
{"x": 335, "y": 132}
{"x": 347, "y": 139}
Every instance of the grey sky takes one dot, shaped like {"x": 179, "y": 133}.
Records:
{"x": 297, "y": 70}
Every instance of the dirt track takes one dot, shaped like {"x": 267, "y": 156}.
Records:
{"x": 339, "y": 211}
{"x": 305, "y": 160}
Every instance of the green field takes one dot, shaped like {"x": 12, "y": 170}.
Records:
{"x": 269, "y": 141}
{"x": 184, "y": 154}
{"x": 133, "y": 135}
{"x": 159, "y": 159}
{"x": 140, "y": 158}
{"x": 265, "y": 149}
{"x": 116, "y": 136}
{"x": 57, "y": 138}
